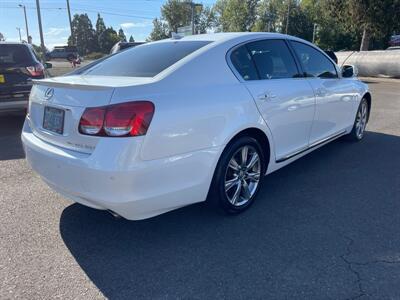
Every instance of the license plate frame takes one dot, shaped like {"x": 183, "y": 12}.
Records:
{"x": 53, "y": 119}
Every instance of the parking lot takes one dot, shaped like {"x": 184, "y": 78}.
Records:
{"x": 325, "y": 227}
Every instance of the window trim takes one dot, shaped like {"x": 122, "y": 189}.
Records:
{"x": 245, "y": 43}
{"x": 290, "y": 42}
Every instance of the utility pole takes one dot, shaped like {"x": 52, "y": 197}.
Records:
{"x": 41, "y": 31}
{"x": 70, "y": 20}
{"x": 26, "y": 22}
{"x": 288, "y": 16}
{"x": 19, "y": 30}
{"x": 314, "y": 32}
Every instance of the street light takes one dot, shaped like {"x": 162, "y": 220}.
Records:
{"x": 26, "y": 22}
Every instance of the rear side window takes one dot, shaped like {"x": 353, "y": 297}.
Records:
{"x": 273, "y": 59}
{"x": 314, "y": 63}
{"x": 243, "y": 63}
{"x": 14, "y": 55}
{"x": 146, "y": 60}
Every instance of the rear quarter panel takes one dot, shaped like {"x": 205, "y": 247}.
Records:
{"x": 199, "y": 105}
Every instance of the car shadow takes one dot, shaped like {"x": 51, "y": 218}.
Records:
{"x": 291, "y": 242}
{"x": 10, "y": 135}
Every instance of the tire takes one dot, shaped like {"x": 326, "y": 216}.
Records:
{"x": 235, "y": 185}
{"x": 360, "y": 122}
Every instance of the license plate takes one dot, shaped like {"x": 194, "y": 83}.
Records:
{"x": 2, "y": 79}
{"x": 53, "y": 119}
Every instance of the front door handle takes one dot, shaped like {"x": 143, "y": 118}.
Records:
{"x": 321, "y": 92}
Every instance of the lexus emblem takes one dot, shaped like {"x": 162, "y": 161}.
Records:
{"x": 49, "y": 93}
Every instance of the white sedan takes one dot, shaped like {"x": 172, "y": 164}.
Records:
{"x": 175, "y": 122}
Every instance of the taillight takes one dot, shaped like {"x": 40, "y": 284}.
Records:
{"x": 35, "y": 71}
{"x": 92, "y": 120}
{"x": 123, "y": 119}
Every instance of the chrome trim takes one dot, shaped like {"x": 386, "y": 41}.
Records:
{"x": 313, "y": 145}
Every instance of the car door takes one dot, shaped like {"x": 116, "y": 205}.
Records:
{"x": 285, "y": 100}
{"x": 334, "y": 95}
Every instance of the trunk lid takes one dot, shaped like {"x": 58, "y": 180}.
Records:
{"x": 70, "y": 95}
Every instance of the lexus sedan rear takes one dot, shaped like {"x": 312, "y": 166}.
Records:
{"x": 179, "y": 121}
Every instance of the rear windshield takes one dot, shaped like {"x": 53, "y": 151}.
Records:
{"x": 146, "y": 60}
{"x": 14, "y": 55}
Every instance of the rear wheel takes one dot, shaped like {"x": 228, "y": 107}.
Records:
{"x": 238, "y": 176}
{"x": 357, "y": 133}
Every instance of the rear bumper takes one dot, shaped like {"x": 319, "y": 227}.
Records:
{"x": 13, "y": 105}
{"x": 14, "y": 98}
{"x": 132, "y": 188}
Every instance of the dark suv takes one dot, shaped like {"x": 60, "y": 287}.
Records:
{"x": 18, "y": 66}
{"x": 63, "y": 52}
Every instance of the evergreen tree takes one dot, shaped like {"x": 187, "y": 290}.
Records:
{"x": 121, "y": 35}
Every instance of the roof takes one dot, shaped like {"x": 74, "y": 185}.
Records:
{"x": 225, "y": 36}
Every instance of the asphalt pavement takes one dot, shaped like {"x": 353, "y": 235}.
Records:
{"x": 324, "y": 227}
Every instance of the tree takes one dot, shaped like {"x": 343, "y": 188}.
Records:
{"x": 160, "y": 31}
{"x": 100, "y": 28}
{"x": 121, "y": 35}
{"x": 369, "y": 18}
{"x": 2, "y": 38}
{"x": 84, "y": 37}
{"x": 131, "y": 39}
{"x": 108, "y": 39}
{"x": 178, "y": 13}
{"x": 236, "y": 15}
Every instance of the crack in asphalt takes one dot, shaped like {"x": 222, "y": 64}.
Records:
{"x": 350, "y": 264}
{"x": 361, "y": 291}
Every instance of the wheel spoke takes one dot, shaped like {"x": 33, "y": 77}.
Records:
{"x": 233, "y": 164}
{"x": 236, "y": 195}
{"x": 253, "y": 176}
{"x": 245, "y": 151}
{"x": 253, "y": 160}
{"x": 230, "y": 183}
{"x": 246, "y": 190}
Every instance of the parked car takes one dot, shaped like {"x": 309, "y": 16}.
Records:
{"x": 124, "y": 45}
{"x": 332, "y": 55}
{"x": 175, "y": 122}
{"x": 394, "y": 48}
{"x": 18, "y": 66}
{"x": 63, "y": 52}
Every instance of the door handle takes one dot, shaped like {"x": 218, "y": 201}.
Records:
{"x": 266, "y": 96}
{"x": 321, "y": 92}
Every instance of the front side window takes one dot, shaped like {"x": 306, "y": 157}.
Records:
{"x": 314, "y": 63}
{"x": 146, "y": 60}
{"x": 273, "y": 59}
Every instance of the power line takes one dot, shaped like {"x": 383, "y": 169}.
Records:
{"x": 88, "y": 10}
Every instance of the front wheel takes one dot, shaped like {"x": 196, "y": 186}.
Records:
{"x": 358, "y": 131}
{"x": 238, "y": 175}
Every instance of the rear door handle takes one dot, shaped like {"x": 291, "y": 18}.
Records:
{"x": 266, "y": 96}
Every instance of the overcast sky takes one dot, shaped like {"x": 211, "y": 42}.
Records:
{"x": 133, "y": 16}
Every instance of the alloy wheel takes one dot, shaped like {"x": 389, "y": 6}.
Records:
{"x": 361, "y": 120}
{"x": 242, "y": 175}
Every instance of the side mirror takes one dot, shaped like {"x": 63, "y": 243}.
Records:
{"x": 48, "y": 65}
{"x": 349, "y": 71}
